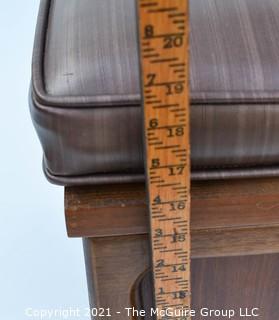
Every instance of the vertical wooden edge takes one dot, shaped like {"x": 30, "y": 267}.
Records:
{"x": 92, "y": 283}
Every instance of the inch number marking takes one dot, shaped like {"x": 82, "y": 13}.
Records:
{"x": 163, "y": 30}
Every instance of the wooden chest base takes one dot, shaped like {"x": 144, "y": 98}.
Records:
{"x": 235, "y": 246}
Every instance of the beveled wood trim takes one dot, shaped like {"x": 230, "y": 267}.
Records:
{"x": 121, "y": 209}
{"x": 228, "y": 217}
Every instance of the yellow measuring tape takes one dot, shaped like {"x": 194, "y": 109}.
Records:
{"x": 163, "y": 33}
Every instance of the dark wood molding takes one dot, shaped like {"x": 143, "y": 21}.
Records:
{"x": 228, "y": 217}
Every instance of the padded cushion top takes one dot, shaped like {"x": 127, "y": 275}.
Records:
{"x": 85, "y": 97}
{"x": 91, "y": 49}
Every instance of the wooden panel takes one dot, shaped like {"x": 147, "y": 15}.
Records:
{"x": 227, "y": 283}
{"x": 115, "y": 263}
{"x": 228, "y": 217}
{"x": 113, "y": 266}
{"x": 235, "y": 242}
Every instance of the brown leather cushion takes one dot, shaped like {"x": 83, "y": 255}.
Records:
{"x": 85, "y": 95}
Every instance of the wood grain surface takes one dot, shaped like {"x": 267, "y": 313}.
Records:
{"x": 236, "y": 284}
{"x": 119, "y": 277}
{"x": 113, "y": 265}
{"x": 228, "y": 217}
